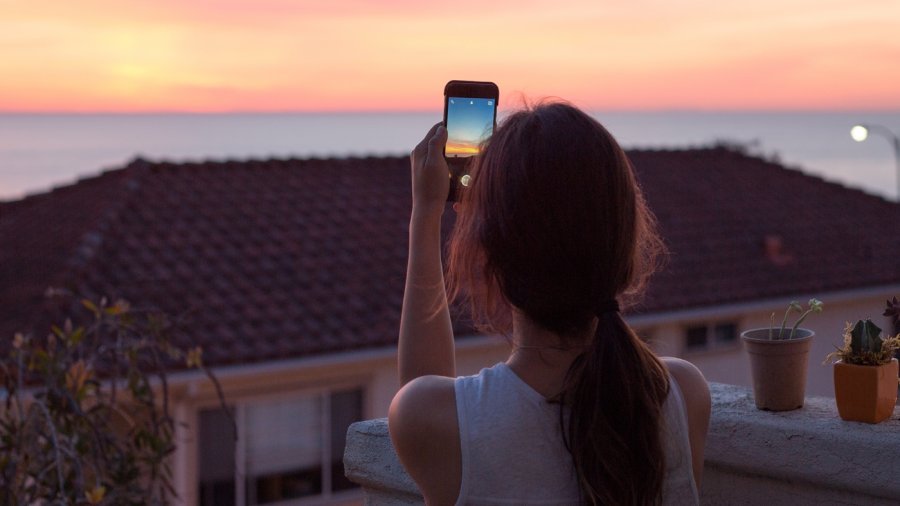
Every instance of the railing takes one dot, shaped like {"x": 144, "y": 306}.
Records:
{"x": 806, "y": 456}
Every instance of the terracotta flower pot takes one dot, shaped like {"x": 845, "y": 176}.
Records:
{"x": 778, "y": 368}
{"x": 865, "y": 393}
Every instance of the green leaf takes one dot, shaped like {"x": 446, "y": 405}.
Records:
{"x": 90, "y": 306}
{"x": 76, "y": 337}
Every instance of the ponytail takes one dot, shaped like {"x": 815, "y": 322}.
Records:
{"x": 614, "y": 394}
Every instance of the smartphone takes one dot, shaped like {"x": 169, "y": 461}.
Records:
{"x": 470, "y": 115}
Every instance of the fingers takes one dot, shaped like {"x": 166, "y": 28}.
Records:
{"x": 436, "y": 143}
{"x": 438, "y": 138}
{"x": 421, "y": 150}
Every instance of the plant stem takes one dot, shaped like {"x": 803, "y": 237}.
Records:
{"x": 784, "y": 322}
{"x": 59, "y": 474}
{"x": 799, "y": 320}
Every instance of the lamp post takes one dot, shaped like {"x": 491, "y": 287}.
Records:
{"x": 861, "y": 133}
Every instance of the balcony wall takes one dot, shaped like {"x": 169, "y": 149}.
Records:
{"x": 806, "y": 456}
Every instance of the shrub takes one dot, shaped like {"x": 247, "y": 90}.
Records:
{"x": 86, "y": 417}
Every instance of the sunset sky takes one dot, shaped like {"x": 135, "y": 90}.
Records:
{"x": 380, "y": 55}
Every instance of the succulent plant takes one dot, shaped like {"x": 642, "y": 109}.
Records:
{"x": 892, "y": 310}
{"x": 865, "y": 337}
{"x": 863, "y": 345}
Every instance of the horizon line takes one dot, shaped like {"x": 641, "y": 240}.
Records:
{"x": 313, "y": 112}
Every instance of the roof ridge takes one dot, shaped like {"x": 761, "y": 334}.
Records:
{"x": 138, "y": 166}
{"x": 773, "y": 160}
{"x": 803, "y": 171}
{"x": 89, "y": 206}
{"x": 273, "y": 158}
{"x": 92, "y": 239}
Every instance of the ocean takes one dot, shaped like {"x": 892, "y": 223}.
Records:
{"x": 41, "y": 151}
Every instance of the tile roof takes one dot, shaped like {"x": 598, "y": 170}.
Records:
{"x": 718, "y": 209}
{"x": 290, "y": 258}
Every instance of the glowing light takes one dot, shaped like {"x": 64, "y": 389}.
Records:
{"x": 465, "y": 180}
{"x": 859, "y": 133}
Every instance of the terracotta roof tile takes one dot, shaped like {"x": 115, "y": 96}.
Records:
{"x": 286, "y": 258}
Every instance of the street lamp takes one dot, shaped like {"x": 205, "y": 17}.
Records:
{"x": 861, "y": 133}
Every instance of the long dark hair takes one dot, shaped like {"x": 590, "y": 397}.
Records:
{"x": 555, "y": 225}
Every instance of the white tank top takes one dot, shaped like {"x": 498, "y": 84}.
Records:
{"x": 513, "y": 453}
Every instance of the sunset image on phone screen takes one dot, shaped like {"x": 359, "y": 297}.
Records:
{"x": 469, "y": 122}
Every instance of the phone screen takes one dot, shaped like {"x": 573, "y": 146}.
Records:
{"x": 469, "y": 122}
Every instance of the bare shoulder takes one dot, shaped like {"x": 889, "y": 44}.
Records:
{"x": 694, "y": 388}
{"x": 425, "y": 432}
{"x": 690, "y": 380}
{"x": 698, "y": 405}
{"x": 435, "y": 392}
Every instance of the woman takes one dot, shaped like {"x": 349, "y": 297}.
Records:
{"x": 551, "y": 234}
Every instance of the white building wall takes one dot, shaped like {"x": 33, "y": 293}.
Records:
{"x": 374, "y": 370}
{"x": 731, "y": 364}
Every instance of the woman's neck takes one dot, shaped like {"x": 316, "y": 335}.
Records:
{"x": 541, "y": 358}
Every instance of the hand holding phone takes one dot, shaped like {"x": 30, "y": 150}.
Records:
{"x": 430, "y": 183}
{"x": 470, "y": 115}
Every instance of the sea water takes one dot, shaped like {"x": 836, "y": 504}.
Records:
{"x": 40, "y": 151}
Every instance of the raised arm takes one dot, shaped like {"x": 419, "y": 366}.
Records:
{"x": 426, "y": 334}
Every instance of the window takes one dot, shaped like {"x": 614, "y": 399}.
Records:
{"x": 696, "y": 337}
{"x": 289, "y": 449}
{"x": 710, "y": 336}
{"x": 725, "y": 333}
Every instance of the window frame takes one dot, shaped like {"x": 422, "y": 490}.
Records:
{"x": 712, "y": 344}
{"x": 240, "y": 401}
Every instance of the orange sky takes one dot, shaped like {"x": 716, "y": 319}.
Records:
{"x": 301, "y": 55}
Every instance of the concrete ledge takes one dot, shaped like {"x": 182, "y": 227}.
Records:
{"x": 807, "y": 456}
{"x": 371, "y": 462}
{"x": 804, "y": 456}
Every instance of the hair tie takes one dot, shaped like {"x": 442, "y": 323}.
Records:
{"x": 607, "y": 306}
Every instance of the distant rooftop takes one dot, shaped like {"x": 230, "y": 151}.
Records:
{"x": 297, "y": 257}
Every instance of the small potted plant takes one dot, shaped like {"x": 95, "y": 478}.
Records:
{"x": 865, "y": 377}
{"x": 779, "y": 358}
{"x": 892, "y": 311}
